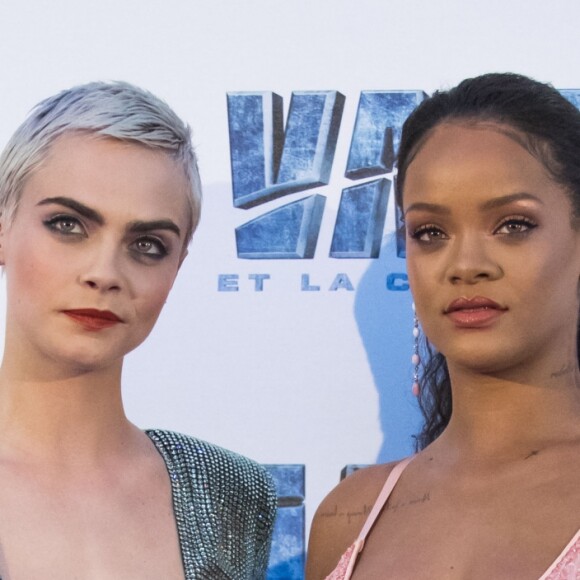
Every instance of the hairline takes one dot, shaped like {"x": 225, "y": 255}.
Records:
{"x": 536, "y": 146}
{"x": 116, "y": 110}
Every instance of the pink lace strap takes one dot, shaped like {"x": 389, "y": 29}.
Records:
{"x": 345, "y": 566}
{"x": 383, "y": 497}
{"x": 567, "y": 564}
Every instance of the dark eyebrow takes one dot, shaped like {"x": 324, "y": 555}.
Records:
{"x": 143, "y": 227}
{"x": 77, "y": 206}
{"x": 507, "y": 199}
{"x": 95, "y": 216}
{"x": 432, "y": 207}
{"x": 490, "y": 204}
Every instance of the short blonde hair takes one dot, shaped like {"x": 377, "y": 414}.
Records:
{"x": 118, "y": 110}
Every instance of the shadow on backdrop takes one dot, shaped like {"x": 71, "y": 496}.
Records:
{"x": 385, "y": 322}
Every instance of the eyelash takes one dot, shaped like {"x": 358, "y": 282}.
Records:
{"x": 161, "y": 252}
{"x": 55, "y": 224}
{"x": 519, "y": 220}
{"x": 427, "y": 229}
{"x": 436, "y": 234}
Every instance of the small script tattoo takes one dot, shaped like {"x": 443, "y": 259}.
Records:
{"x": 348, "y": 514}
{"x": 400, "y": 504}
{"x": 564, "y": 370}
{"x": 365, "y": 510}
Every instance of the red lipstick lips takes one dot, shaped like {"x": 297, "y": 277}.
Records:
{"x": 93, "y": 319}
{"x": 476, "y": 312}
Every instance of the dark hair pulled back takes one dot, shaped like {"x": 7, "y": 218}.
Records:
{"x": 541, "y": 120}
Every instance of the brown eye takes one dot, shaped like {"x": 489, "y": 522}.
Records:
{"x": 428, "y": 234}
{"x": 515, "y": 226}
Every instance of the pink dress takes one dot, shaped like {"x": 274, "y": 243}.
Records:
{"x": 565, "y": 567}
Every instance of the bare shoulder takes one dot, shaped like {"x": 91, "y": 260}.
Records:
{"x": 340, "y": 517}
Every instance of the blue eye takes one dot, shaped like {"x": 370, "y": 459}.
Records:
{"x": 66, "y": 225}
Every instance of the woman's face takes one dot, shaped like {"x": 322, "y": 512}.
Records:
{"x": 92, "y": 251}
{"x": 493, "y": 258}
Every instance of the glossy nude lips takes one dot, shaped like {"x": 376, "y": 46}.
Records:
{"x": 476, "y": 312}
{"x": 93, "y": 319}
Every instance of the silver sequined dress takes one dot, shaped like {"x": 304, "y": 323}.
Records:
{"x": 224, "y": 505}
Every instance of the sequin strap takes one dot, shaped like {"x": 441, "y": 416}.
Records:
{"x": 384, "y": 496}
{"x": 567, "y": 564}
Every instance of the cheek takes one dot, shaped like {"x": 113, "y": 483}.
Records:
{"x": 548, "y": 273}
{"x": 422, "y": 281}
{"x": 30, "y": 269}
{"x": 154, "y": 295}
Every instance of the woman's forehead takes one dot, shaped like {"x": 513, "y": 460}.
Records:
{"x": 460, "y": 163}
{"x": 110, "y": 173}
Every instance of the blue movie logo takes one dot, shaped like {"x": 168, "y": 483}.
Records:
{"x": 269, "y": 162}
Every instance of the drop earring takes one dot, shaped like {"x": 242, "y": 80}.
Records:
{"x": 415, "y": 359}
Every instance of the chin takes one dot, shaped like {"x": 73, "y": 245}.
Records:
{"x": 85, "y": 360}
{"x": 482, "y": 359}
{"x": 508, "y": 366}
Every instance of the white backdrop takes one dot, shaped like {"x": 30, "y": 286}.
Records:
{"x": 284, "y": 376}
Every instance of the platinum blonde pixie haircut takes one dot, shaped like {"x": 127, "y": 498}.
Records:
{"x": 117, "y": 110}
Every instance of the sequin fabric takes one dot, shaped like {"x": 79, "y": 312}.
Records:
{"x": 224, "y": 506}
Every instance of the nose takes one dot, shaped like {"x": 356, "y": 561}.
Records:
{"x": 471, "y": 261}
{"x": 102, "y": 271}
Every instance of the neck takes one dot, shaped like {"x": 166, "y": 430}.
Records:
{"x": 495, "y": 416}
{"x": 64, "y": 414}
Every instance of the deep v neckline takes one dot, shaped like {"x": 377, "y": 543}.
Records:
{"x": 177, "y": 506}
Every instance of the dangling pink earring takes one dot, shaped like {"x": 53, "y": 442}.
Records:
{"x": 415, "y": 359}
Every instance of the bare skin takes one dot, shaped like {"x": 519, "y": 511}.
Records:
{"x": 453, "y": 508}
{"x": 496, "y": 495}
{"x": 84, "y": 492}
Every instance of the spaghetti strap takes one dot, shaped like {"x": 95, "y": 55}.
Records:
{"x": 382, "y": 498}
{"x": 565, "y": 567}
{"x": 345, "y": 566}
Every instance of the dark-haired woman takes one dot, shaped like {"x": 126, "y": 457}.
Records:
{"x": 489, "y": 185}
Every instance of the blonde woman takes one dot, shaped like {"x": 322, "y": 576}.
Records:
{"x": 99, "y": 198}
